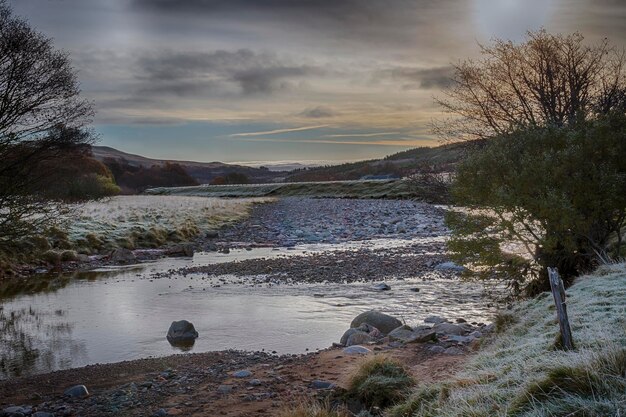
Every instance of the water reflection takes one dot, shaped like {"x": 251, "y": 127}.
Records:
{"x": 33, "y": 340}
{"x": 116, "y": 314}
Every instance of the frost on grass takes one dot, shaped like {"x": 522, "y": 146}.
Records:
{"x": 522, "y": 374}
{"x": 151, "y": 221}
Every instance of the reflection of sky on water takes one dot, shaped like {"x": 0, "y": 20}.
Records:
{"x": 123, "y": 316}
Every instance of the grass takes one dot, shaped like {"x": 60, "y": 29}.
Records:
{"x": 521, "y": 374}
{"x": 312, "y": 409}
{"x": 380, "y": 382}
{"x": 145, "y": 222}
{"x": 331, "y": 189}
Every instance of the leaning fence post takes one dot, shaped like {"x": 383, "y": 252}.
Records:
{"x": 558, "y": 291}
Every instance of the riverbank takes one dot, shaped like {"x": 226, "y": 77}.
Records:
{"x": 133, "y": 229}
{"x": 366, "y": 189}
{"x": 204, "y": 385}
{"x": 517, "y": 371}
{"x": 122, "y": 230}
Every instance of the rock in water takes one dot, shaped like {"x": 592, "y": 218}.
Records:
{"x": 181, "y": 333}
{"x": 435, "y": 319}
{"x": 381, "y": 287}
{"x": 383, "y": 322}
{"x": 77, "y": 391}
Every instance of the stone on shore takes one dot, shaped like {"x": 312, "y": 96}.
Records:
{"x": 407, "y": 335}
{"x": 356, "y": 350}
{"x": 77, "y": 391}
{"x": 383, "y": 322}
{"x": 122, "y": 255}
{"x": 381, "y": 287}
{"x": 358, "y": 338}
{"x": 452, "y": 329}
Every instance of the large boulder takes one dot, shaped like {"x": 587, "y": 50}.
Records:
{"x": 383, "y": 322}
{"x": 181, "y": 333}
{"x": 359, "y": 338}
{"x": 407, "y": 335}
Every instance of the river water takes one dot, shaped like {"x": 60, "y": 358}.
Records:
{"x": 121, "y": 313}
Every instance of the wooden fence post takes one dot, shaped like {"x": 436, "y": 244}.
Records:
{"x": 558, "y": 291}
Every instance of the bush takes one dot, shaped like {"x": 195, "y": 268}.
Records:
{"x": 380, "y": 382}
{"x": 557, "y": 190}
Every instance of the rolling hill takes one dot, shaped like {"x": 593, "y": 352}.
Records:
{"x": 202, "y": 172}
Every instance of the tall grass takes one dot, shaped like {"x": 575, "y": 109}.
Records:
{"x": 380, "y": 382}
{"x": 521, "y": 373}
{"x": 150, "y": 221}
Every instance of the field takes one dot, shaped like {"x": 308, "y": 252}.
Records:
{"x": 150, "y": 221}
{"x": 330, "y": 189}
{"x": 523, "y": 373}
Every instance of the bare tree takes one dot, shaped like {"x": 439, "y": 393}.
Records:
{"x": 41, "y": 118}
{"x": 547, "y": 80}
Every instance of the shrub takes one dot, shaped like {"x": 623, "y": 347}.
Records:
{"x": 380, "y": 382}
{"x": 69, "y": 255}
{"x": 51, "y": 257}
{"x": 556, "y": 190}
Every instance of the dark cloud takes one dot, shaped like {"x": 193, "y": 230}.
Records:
{"x": 318, "y": 112}
{"x": 424, "y": 78}
{"x": 334, "y": 22}
{"x": 193, "y": 73}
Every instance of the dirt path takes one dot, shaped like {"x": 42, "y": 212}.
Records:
{"x": 203, "y": 385}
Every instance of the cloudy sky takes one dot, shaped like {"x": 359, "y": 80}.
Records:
{"x": 269, "y": 80}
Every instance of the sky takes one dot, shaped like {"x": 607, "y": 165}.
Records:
{"x": 286, "y": 80}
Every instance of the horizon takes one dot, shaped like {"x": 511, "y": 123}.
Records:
{"x": 209, "y": 80}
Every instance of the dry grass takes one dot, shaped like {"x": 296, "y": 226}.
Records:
{"x": 151, "y": 221}
{"x": 534, "y": 379}
{"x": 312, "y": 409}
{"x": 380, "y": 381}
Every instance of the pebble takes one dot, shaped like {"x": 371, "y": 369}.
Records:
{"x": 319, "y": 384}
{"x": 77, "y": 391}
{"x": 242, "y": 374}
{"x": 225, "y": 389}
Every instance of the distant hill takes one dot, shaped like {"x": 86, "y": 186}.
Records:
{"x": 202, "y": 172}
{"x": 436, "y": 159}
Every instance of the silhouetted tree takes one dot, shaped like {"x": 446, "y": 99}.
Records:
{"x": 548, "y": 80}
{"x": 41, "y": 118}
{"x": 551, "y": 169}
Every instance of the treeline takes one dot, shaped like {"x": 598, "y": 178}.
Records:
{"x": 133, "y": 179}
